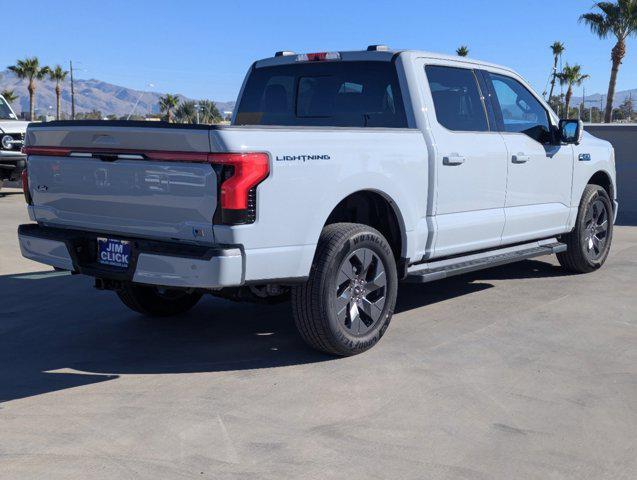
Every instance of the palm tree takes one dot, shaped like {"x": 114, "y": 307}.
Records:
{"x": 57, "y": 75}
{"x": 30, "y": 69}
{"x": 558, "y": 49}
{"x": 571, "y": 76}
{"x": 619, "y": 19}
{"x": 462, "y": 51}
{"x": 209, "y": 111}
{"x": 167, "y": 103}
{"x": 9, "y": 96}
{"x": 186, "y": 112}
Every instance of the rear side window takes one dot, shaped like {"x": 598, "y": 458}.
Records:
{"x": 339, "y": 94}
{"x": 457, "y": 99}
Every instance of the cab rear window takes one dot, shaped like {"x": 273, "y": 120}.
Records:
{"x": 339, "y": 94}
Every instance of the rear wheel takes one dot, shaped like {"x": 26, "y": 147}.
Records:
{"x": 348, "y": 301}
{"x": 589, "y": 242}
{"x": 157, "y": 301}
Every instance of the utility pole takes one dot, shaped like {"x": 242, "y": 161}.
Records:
{"x": 72, "y": 92}
{"x": 583, "y": 105}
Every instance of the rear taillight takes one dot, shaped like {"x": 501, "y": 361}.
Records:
{"x": 25, "y": 187}
{"x": 239, "y": 175}
{"x": 47, "y": 151}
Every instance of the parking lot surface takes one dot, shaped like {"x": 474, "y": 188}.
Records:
{"x": 520, "y": 372}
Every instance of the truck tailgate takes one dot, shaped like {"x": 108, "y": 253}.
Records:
{"x": 126, "y": 193}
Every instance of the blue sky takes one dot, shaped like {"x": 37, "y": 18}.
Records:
{"x": 203, "y": 48}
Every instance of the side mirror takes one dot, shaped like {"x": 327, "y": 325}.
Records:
{"x": 571, "y": 131}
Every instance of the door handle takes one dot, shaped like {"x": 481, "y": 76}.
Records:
{"x": 453, "y": 160}
{"x": 521, "y": 158}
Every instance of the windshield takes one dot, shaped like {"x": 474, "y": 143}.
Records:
{"x": 5, "y": 110}
{"x": 339, "y": 94}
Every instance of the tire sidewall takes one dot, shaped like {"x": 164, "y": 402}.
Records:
{"x": 366, "y": 238}
{"x": 596, "y": 194}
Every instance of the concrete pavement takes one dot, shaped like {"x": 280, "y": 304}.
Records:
{"x": 521, "y": 372}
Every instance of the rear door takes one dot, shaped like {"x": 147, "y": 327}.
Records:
{"x": 470, "y": 162}
{"x": 539, "y": 171}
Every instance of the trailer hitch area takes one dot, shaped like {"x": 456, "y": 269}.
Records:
{"x": 108, "y": 284}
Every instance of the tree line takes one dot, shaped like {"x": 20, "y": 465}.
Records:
{"x": 30, "y": 70}
{"x": 188, "y": 111}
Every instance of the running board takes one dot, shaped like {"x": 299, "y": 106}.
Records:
{"x": 437, "y": 270}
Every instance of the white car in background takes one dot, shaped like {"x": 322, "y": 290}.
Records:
{"x": 12, "y": 131}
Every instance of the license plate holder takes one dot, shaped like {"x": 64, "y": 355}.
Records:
{"x": 113, "y": 252}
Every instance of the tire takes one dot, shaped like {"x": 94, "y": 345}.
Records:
{"x": 589, "y": 242}
{"x": 347, "y": 303}
{"x": 155, "y": 302}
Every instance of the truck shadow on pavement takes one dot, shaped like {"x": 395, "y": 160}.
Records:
{"x": 57, "y": 332}
{"x": 5, "y": 193}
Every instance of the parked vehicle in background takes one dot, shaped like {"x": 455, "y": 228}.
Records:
{"x": 12, "y": 132}
{"x": 342, "y": 173}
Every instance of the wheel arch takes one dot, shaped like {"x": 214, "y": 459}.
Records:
{"x": 377, "y": 210}
{"x": 604, "y": 180}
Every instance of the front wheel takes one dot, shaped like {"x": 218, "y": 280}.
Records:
{"x": 157, "y": 301}
{"x": 589, "y": 242}
{"x": 347, "y": 303}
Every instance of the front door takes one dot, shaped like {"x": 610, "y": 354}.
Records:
{"x": 470, "y": 163}
{"x": 538, "y": 191}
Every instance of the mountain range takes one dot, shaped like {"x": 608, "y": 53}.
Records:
{"x": 117, "y": 100}
{"x": 594, "y": 99}
{"x": 89, "y": 95}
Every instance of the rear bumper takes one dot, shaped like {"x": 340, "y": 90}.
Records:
{"x": 11, "y": 165}
{"x": 154, "y": 263}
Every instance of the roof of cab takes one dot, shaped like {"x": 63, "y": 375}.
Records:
{"x": 378, "y": 55}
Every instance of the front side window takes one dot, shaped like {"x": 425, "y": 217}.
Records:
{"x": 457, "y": 99}
{"x": 338, "y": 94}
{"x": 520, "y": 111}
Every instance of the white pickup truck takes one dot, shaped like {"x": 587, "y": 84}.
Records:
{"x": 342, "y": 174}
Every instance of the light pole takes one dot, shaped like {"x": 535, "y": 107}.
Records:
{"x": 72, "y": 91}
{"x": 590, "y": 110}
{"x": 72, "y": 71}
{"x": 151, "y": 85}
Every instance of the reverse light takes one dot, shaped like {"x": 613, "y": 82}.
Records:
{"x": 239, "y": 175}
{"x": 318, "y": 56}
